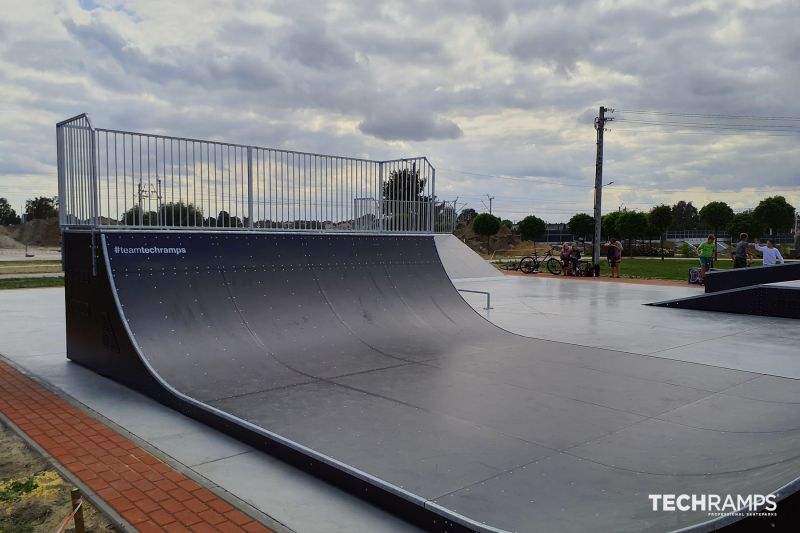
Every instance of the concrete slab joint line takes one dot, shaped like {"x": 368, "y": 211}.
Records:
{"x": 375, "y": 374}
{"x": 133, "y": 488}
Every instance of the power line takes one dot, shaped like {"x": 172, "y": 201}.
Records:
{"x": 703, "y": 115}
{"x": 677, "y": 132}
{"x": 713, "y": 126}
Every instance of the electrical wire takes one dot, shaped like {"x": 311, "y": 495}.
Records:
{"x": 704, "y": 115}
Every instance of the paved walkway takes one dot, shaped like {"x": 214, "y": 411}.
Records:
{"x": 143, "y": 490}
{"x": 601, "y": 279}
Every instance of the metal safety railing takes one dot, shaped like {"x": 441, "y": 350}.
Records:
{"x": 140, "y": 180}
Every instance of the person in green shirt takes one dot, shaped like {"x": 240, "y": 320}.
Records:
{"x": 706, "y": 253}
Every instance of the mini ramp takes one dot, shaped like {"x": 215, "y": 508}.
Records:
{"x": 354, "y": 357}
{"x": 765, "y": 291}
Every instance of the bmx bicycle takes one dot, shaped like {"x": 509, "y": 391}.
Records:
{"x": 532, "y": 263}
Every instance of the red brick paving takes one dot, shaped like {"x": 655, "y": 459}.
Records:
{"x": 145, "y": 491}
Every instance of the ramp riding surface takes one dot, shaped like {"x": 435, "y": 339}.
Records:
{"x": 356, "y": 354}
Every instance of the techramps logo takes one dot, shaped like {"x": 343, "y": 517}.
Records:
{"x": 149, "y": 250}
{"x": 717, "y": 504}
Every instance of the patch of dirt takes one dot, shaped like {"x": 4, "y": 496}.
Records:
{"x": 503, "y": 240}
{"x": 7, "y": 242}
{"x": 38, "y": 233}
{"x": 33, "y": 496}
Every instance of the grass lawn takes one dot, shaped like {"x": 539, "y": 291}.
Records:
{"x": 29, "y": 267}
{"x": 31, "y": 283}
{"x": 654, "y": 268}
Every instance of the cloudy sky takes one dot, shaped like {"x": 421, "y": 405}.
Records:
{"x": 500, "y": 95}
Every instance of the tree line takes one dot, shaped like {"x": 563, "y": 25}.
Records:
{"x": 771, "y": 215}
{"x": 41, "y": 207}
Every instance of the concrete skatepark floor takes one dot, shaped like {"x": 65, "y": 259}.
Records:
{"x": 597, "y": 314}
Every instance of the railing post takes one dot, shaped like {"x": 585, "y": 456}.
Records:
{"x": 380, "y": 196}
{"x": 95, "y": 201}
{"x": 63, "y": 206}
{"x": 250, "y": 187}
{"x": 432, "y": 203}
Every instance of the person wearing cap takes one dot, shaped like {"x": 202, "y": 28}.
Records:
{"x": 772, "y": 255}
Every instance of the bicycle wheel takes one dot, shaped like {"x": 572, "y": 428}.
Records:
{"x": 527, "y": 265}
{"x": 554, "y": 266}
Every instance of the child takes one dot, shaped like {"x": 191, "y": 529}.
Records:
{"x": 742, "y": 253}
{"x": 614, "y": 255}
{"x": 771, "y": 254}
{"x": 706, "y": 253}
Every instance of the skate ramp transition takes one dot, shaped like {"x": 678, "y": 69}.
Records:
{"x": 764, "y": 291}
{"x": 460, "y": 261}
{"x": 354, "y": 357}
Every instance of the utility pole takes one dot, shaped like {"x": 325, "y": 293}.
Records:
{"x": 490, "y": 203}
{"x": 600, "y": 126}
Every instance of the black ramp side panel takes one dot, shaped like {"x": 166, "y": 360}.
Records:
{"x": 722, "y": 280}
{"x": 357, "y": 352}
{"x": 762, "y": 300}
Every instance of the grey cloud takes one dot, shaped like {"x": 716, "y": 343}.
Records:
{"x": 398, "y": 47}
{"x": 204, "y": 66}
{"x": 310, "y": 44}
{"x": 391, "y": 125}
{"x": 404, "y": 73}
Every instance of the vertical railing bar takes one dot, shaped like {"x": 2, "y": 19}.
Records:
{"x": 59, "y": 174}
{"x": 228, "y": 210}
{"x": 250, "y": 187}
{"x": 381, "y": 198}
{"x": 432, "y": 202}
{"x": 70, "y": 172}
{"x": 149, "y": 188}
{"x": 108, "y": 181}
{"x": 238, "y": 193}
{"x": 216, "y": 188}
{"x": 80, "y": 173}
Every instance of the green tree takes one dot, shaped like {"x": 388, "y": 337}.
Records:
{"x": 466, "y": 216}
{"x": 137, "y": 217}
{"x": 531, "y": 228}
{"x": 660, "y": 218}
{"x": 507, "y": 223}
{"x": 609, "y": 224}
{"x": 775, "y": 213}
{"x": 7, "y": 214}
{"x": 225, "y": 220}
{"x": 402, "y": 193}
{"x": 581, "y": 225}
{"x": 488, "y": 225}
{"x": 745, "y": 222}
{"x": 41, "y": 207}
{"x": 716, "y": 215}
{"x": 180, "y": 214}
{"x": 632, "y": 225}
{"x": 684, "y": 216}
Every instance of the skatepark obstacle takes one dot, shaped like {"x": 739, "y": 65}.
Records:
{"x": 350, "y": 354}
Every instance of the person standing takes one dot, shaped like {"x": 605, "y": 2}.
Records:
{"x": 741, "y": 254}
{"x": 706, "y": 253}
{"x": 614, "y": 255}
{"x": 772, "y": 255}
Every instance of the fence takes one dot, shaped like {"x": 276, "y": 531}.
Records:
{"x": 128, "y": 179}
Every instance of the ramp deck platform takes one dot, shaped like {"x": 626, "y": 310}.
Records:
{"x": 354, "y": 357}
